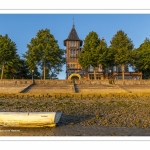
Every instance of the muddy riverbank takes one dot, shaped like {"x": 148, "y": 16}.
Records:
{"x": 76, "y": 130}
{"x": 84, "y": 115}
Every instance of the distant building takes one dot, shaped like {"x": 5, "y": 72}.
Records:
{"x": 73, "y": 68}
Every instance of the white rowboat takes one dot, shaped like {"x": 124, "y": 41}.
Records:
{"x": 29, "y": 119}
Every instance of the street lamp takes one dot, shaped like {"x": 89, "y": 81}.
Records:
{"x": 110, "y": 73}
{"x": 32, "y": 76}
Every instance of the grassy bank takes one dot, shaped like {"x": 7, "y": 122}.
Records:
{"x": 122, "y": 110}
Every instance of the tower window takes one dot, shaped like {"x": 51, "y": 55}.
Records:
{"x": 73, "y": 53}
{"x": 72, "y": 66}
{"x": 72, "y": 43}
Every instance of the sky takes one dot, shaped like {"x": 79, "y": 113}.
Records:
{"x": 21, "y": 28}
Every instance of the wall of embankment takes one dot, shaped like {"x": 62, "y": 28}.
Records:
{"x": 106, "y": 82}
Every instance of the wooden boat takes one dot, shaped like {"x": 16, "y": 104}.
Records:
{"x": 29, "y": 119}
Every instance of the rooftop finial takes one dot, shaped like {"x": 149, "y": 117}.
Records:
{"x": 73, "y": 21}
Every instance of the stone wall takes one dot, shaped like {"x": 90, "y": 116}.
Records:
{"x": 13, "y": 86}
{"x": 63, "y": 86}
{"x": 92, "y": 82}
{"x": 15, "y": 81}
{"x": 107, "y": 81}
{"x": 132, "y": 82}
{"x": 52, "y": 81}
{"x": 88, "y": 82}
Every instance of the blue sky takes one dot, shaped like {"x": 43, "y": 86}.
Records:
{"x": 22, "y": 27}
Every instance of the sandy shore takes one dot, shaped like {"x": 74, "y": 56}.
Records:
{"x": 83, "y": 115}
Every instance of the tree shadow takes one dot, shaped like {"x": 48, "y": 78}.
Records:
{"x": 73, "y": 119}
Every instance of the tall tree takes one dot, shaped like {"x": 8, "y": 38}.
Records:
{"x": 142, "y": 58}
{"x": 11, "y": 68}
{"x": 94, "y": 52}
{"x": 43, "y": 51}
{"x": 121, "y": 47}
{"x": 105, "y": 56}
{"x": 8, "y": 53}
{"x": 23, "y": 72}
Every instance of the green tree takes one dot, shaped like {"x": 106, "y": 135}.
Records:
{"x": 106, "y": 56}
{"x": 142, "y": 58}
{"x": 44, "y": 52}
{"x": 8, "y": 53}
{"x": 23, "y": 71}
{"x": 94, "y": 52}
{"x": 122, "y": 49}
{"x": 11, "y": 68}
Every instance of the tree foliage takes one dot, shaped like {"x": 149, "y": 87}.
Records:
{"x": 142, "y": 58}
{"x": 8, "y": 54}
{"x": 44, "y": 52}
{"x": 23, "y": 71}
{"x": 122, "y": 49}
{"x": 94, "y": 52}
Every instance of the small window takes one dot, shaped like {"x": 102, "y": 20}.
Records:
{"x": 73, "y": 53}
{"x": 72, "y": 43}
{"x": 72, "y": 65}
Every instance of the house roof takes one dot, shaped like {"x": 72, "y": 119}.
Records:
{"x": 73, "y": 36}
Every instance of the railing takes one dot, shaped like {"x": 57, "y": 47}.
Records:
{"x": 127, "y": 73}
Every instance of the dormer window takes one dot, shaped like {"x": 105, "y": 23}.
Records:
{"x": 72, "y": 43}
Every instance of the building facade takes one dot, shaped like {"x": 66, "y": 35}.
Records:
{"x": 73, "y": 69}
{"x": 73, "y": 49}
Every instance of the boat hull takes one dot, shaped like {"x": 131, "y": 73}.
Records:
{"x": 29, "y": 119}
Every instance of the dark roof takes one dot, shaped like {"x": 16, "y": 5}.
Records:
{"x": 73, "y": 36}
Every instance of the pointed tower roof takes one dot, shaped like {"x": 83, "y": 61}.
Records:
{"x": 73, "y": 36}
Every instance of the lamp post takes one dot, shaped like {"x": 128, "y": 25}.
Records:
{"x": 32, "y": 76}
{"x": 110, "y": 73}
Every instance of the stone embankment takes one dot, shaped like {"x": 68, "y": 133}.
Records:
{"x": 14, "y": 86}
{"x": 80, "y": 86}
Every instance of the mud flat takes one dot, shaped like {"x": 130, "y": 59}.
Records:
{"x": 83, "y": 115}
{"x": 76, "y": 130}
